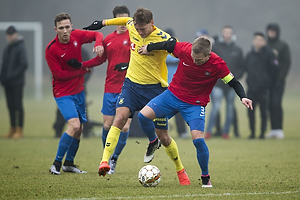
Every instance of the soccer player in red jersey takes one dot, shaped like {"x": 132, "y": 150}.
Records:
{"x": 198, "y": 71}
{"x": 68, "y": 85}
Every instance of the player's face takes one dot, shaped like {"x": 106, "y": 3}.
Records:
{"x": 259, "y": 42}
{"x": 227, "y": 34}
{"x": 272, "y": 33}
{"x": 63, "y": 30}
{"x": 199, "y": 59}
{"x": 121, "y": 29}
{"x": 11, "y": 38}
{"x": 144, "y": 30}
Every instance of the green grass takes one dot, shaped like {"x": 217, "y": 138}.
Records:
{"x": 239, "y": 168}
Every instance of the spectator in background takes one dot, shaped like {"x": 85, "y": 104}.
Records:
{"x": 232, "y": 54}
{"x": 172, "y": 64}
{"x": 204, "y": 32}
{"x": 12, "y": 78}
{"x": 261, "y": 67}
{"x": 282, "y": 52}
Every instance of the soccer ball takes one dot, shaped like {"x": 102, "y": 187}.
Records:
{"x": 149, "y": 176}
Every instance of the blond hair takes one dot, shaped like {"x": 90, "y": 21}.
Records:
{"x": 203, "y": 45}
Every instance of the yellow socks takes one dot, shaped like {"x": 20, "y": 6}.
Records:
{"x": 111, "y": 142}
{"x": 172, "y": 152}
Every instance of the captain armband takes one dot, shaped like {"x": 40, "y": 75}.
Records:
{"x": 228, "y": 78}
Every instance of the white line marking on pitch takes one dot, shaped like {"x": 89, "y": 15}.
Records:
{"x": 188, "y": 195}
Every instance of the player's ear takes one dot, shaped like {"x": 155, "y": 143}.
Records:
{"x": 152, "y": 22}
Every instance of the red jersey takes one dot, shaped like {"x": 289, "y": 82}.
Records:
{"x": 66, "y": 79}
{"x": 117, "y": 50}
{"x": 193, "y": 83}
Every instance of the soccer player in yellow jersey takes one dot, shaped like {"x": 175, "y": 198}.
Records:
{"x": 145, "y": 79}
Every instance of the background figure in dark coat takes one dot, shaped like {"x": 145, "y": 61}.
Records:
{"x": 232, "y": 54}
{"x": 282, "y": 52}
{"x": 12, "y": 78}
{"x": 260, "y": 66}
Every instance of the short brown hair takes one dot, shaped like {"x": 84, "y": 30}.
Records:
{"x": 202, "y": 45}
{"x": 61, "y": 16}
{"x": 121, "y": 10}
{"x": 142, "y": 16}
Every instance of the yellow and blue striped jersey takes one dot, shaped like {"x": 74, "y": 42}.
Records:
{"x": 145, "y": 69}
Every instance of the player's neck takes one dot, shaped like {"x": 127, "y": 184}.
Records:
{"x": 120, "y": 32}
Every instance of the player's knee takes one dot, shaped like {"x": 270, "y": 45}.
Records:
{"x": 76, "y": 128}
{"x": 125, "y": 128}
{"x": 74, "y": 125}
{"x": 106, "y": 126}
{"x": 142, "y": 119}
{"x": 120, "y": 120}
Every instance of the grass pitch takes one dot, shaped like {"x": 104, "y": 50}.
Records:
{"x": 239, "y": 168}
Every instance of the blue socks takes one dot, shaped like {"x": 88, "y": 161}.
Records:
{"x": 104, "y": 136}
{"x": 147, "y": 126}
{"x": 121, "y": 144}
{"x": 72, "y": 150}
{"x": 64, "y": 143}
{"x": 202, "y": 154}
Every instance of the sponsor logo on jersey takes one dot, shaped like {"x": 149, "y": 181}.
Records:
{"x": 136, "y": 39}
{"x": 132, "y": 46}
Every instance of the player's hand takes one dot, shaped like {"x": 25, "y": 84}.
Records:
{"x": 247, "y": 102}
{"x": 143, "y": 50}
{"x": 121, "y": 66}
{"x": 96, "y": 25}
{"x": 99, "y": 50}
{"x": 74, "y": 63}
{"x": 88, "y": 70}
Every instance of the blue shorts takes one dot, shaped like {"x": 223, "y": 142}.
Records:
{"x": 109, "y": 104}
{"x": 167, "y": 104}
{"x": 72, "y": 106}
{"x": 135, "y": 96}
